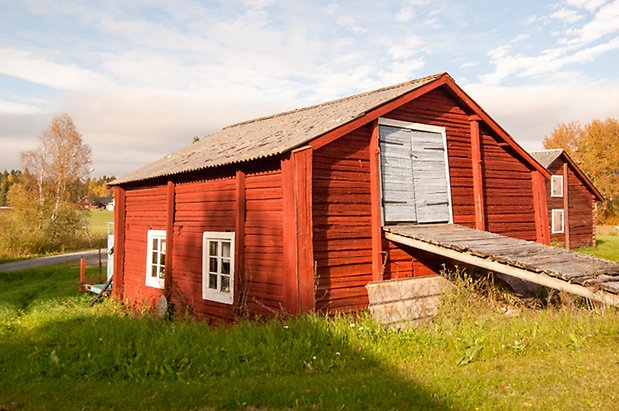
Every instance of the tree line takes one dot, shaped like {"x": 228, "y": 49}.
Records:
{"x": 93, "y": 187}
{"x": 595, "y": 148}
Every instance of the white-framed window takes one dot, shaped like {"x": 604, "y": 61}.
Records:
{"x": 557, "y": 221}
{"x": 155, "y": 258}
{"x": 556, "y": 186}
{"x": 218, "y": 266}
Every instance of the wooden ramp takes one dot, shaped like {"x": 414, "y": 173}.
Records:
{"x": 580, "y": 274}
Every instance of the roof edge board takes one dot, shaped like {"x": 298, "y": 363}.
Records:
{"x": 583, "y": 176}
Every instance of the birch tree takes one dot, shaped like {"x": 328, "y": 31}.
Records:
{"x": 45, "y": 199}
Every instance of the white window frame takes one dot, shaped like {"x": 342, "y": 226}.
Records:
{"x": 158, "y": 235}
{"x": 558, "y": 230}
{"x": 556, "y": 182}
{"x": 207, "y": 292}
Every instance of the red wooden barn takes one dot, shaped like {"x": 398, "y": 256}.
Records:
{"x": 571, "y": 200}
{"x": 285, "y": 213}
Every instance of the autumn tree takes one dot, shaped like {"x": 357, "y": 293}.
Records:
{"x": 595, "y": 148}
{"x": 565, "y": 136}
{"x": 45, "y": 216}
{"x": 7, "y": 180}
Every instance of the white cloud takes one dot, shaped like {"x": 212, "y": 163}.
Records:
{"x": 590, "y": 5}
{"x": 350, "y": 23}
{"x": 405, "y": 14}
{"x": 11, "y": 107}
{"x": 567, "y": 15}
{"x": 38, "y": 69}
{"x": 605, "y": 22}
{"x": 576, "y": 46}
{"x": 529, "y": 113}
{"x": 549, "y": 63}
{"x": 410, "y": 46}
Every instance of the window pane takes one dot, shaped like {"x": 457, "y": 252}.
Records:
{"x": 212, "y": 265}
{"x": 154, "y": 246}
{"x": 212, "y": 248}
{"x": 557, "y": 221}
{"x": 161, "y": 259}
{"x": 161, "y": 271}
{"x": 557, "y": 186}
{"x": 225, "y": 267}
{"x": 153, "y": 271}
{"x": 225, "y": 252}
{"x": 212, "y": 281}
{"x": 162, "y": 245}
{"x": 225, "y": 284}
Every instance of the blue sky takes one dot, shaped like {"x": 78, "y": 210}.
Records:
{"x": 141, "y": 78}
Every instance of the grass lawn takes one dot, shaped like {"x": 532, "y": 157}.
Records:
{"x": 57, "y": 353}
{"x": 98, "y": 220}
{"x": 607, "y": 246}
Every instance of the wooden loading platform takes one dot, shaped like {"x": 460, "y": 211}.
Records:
{"x": 588, "y": 276}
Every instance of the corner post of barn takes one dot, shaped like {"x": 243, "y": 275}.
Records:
{"x": 476, "y": 163}
{"x": 540, "y": 208}
{"x": 239, "y": 246}
{"x": 300, "y": 285}
{"x": 566, "y": 207}
{"x": 169, "y": 245}
{"x": 375, "y": 205}
{"x": 119, "y": 240}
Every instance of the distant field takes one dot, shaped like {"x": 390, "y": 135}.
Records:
{"x": 98, "y": 221}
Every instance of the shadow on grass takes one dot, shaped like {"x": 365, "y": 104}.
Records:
{"x": 121, "y": 361}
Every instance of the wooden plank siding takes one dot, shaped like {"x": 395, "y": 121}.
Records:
{"x": 342, "y": 226}
{"x": 264, "y": 245}
{"x": 145, "y": 209}
{"x": 579, "y": 217}
{"x": 342, "y": 212}
{"x": 507, "y": 190}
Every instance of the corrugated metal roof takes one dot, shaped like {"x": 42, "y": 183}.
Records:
{"x": 546, "y": 157}
{"x": 272, "y": 135}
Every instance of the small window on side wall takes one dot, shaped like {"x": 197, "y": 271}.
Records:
{"x": 155, "y": 258}
{"x": 218, "y": 267}
{"x": 557, "y": 221}
{"x": 556, "y": 186}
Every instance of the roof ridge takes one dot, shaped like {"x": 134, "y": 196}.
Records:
{"x": 354, "y": 96}
{"x": 547, "y": 150}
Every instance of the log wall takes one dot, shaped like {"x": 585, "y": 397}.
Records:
{"x": 342, "y": 222}
{"x": 145, "y": 210}
{"x": 507, "y": 189}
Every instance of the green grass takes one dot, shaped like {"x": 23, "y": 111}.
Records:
{"x": 98, "y": 220}
{"x": 57, "y": 353}
{"x": 607, "y": 246}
